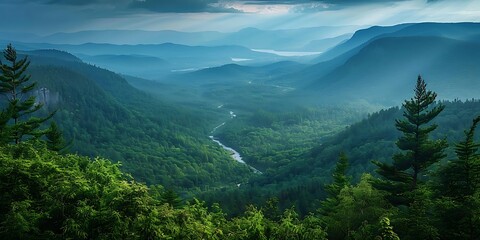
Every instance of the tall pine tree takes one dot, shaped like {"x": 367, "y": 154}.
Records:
{"x": 340, "y": 181}
{"x": 459, "y": 188}
{"x": 340, "y": 177}
{"x": 419, "y": 151}
{"x": 15, "y": 85}
{"x": 461, "y": 177}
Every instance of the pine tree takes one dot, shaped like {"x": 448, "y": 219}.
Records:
{"x": 5, "y": 116}
{"x": 55, "y": 140}
{"x": 419, "y": 151}
{"x": 340, "y": 178}
{"x": 330, "y": 206}
{"x": 171, "y": 197}
{"x": 340, "y": 181}
{"x": 461, "y": 177}
{"x": 271, "y": 210}
{"x": 459, "y": 187}
{"x": 15, "y": 85}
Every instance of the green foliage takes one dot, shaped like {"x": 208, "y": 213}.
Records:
{"x": 340, "y": 178}
{"x": 357, "y": 212}
{"x": 302, "y": 154}
{"x": 374, "y": 137}
{"x": 16, "y": 86}
{"x": 282, "y": 152}
{"x": 54, "y": 138}
{"x": 461, "y": 177}
{"x": 458, "y": 188}
{"x": 420, "y": 152}
{"x": 53, "y": 196}
{"x": 271, "y": 209}
{"x": 386, "y": 231}
{"x": 5, "y": 115}
{"x": 290, "y": 227}
{"x": 417, "y": 221}
{"x": 252, "y": 226}
{"x": 50, "y": 196}
{"x": 286, "y": 137}
{"x": 171, "y": 198}
{"x": 340, "y": 181}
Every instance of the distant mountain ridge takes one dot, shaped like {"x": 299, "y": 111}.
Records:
{"x": 283, "y": 39}
{"x": 153, "y": 61}
{"x": 459, "y": 31}
{"x": 386, "y": 69}
{"x": 132, "y": 37}
{"x": 183, "y": 50}
{"x": 359, "y": 37}
{"x": 378, "y": 65}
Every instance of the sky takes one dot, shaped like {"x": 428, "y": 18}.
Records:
{"x": 44, "y": 17}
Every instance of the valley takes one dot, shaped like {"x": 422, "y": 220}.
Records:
{"x": 311, "y": 132}
{"x": 286, "y": 126}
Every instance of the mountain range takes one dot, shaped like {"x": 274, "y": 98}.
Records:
{"x": 152, "y": 61}
{"x": 379, "y": 65}
{"x": 284, "y": 39}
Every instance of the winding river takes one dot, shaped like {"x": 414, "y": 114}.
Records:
{"x": 235, "y": 155}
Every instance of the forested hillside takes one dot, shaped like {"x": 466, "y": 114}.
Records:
{"x": 296, "y": 156}
{"x": 102, "y": 115}
{"x": 56, "y": 196}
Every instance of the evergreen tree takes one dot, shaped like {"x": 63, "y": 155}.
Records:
{"x": 15, "y": 85}
{"x": 419, "y": 151}
{"x": 340, "y": 178}
{"x": 330, "y": 206}
{"x": 459, "y": 186}
{"x": 271, "y": 210}
{"x": 418, "y": 220}
{"x": 171, "y": 197}
{"x": 55, "y": 140}
{"x": 340, "y": 181}
{"x": 462, "y": 176}
{"x": 5, "y": 116}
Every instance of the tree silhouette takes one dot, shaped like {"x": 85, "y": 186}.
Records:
{"x": 15, "y": 85}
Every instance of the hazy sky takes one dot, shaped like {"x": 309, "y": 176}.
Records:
{"x": 49, "y": 16}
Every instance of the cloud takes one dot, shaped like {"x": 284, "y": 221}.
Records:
{"x": 312, "y": 6}
{"x": 223, "y": 6}
{"x": 73, "y": 2}
{"x": 162, "y": 6}
{"x": 333, "y": 2}
{"x": 182, "y": 6}
{"x": 45, "y": 17}
{"x": 212, "y": 6}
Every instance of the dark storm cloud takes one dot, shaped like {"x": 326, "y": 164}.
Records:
{"x": 73, "y": 2}
{"x": 164, "y": 6}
